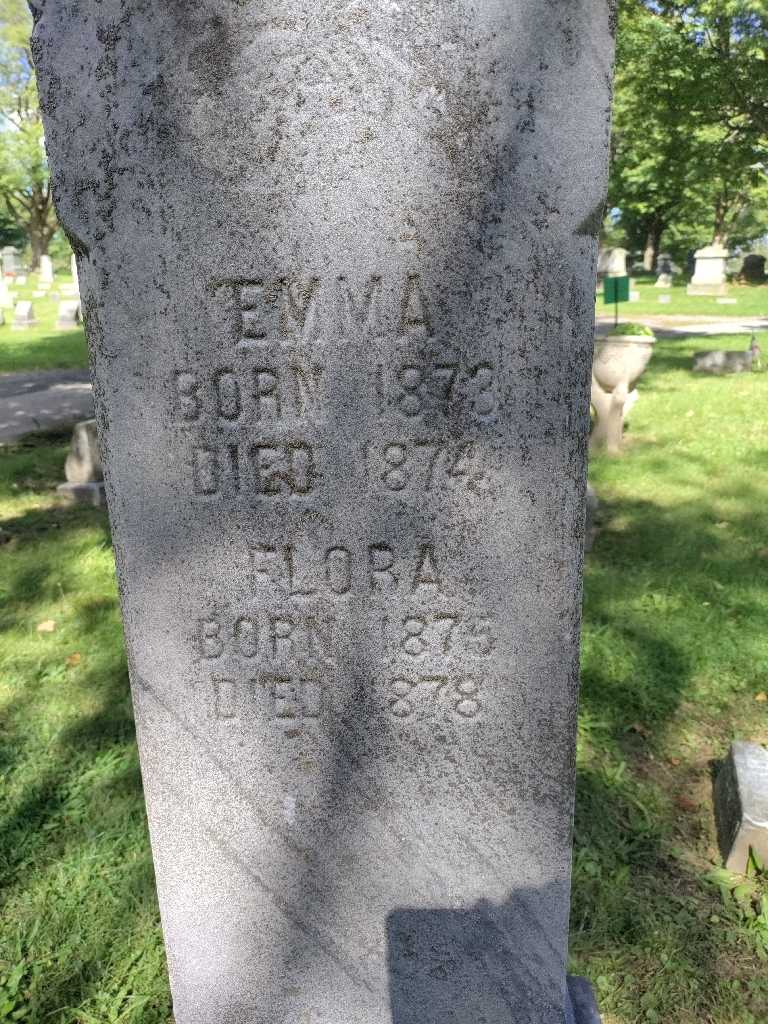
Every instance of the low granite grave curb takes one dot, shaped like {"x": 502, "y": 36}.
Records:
{"x": 583, "y": 1007}
{"x": 741, "y": 805}
{"x": 84, "y": 494}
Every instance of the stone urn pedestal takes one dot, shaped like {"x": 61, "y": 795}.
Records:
{"x": 618, "y": 363}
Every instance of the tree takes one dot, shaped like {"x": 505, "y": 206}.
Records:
{"x": 732, "y": 36}
{"x": 25, "y": 188}
{"x": 684, "y": 151}
{"x": 653, "y": 167}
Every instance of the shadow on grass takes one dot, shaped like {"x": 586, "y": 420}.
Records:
{"x": 669, "y": 599}
{"x": 73, "y": 844}
{"x": 78, "y": 897}
{"x": 649, "y": 613}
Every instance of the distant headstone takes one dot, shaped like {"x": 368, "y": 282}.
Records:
{"x": 68, "y": 314}
{"x": 709, "y": 275}
{"x": 10, "y": 261}
{"x": 46, "y": 270}
{"x": 340, "y": 356}
{"x": 7, "y": 297}
{"x": 726, "y": 302}
{"x": 634, "y": 296}
{"x": 73, "y": 288}
{"x": 83, "y": 469}
{"x": 741, "y": 805}
{"x": 665, "y": 299}
{"x": 21, "y": 280}
{"x": 39, "y": 294}
{"x": 753, "y": 269}
{"x": 24, "y": 315}
{"x": 664, "y": 280}
{"x": 613, "y": 262}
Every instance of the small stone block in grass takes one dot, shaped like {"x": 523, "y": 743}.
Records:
{"x": 741, "y": 805}
{"x": 583, "y": 1002}
{"x": 84, "y": 494}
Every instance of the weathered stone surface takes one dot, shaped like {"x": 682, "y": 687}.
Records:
{"x": 83, "y": 462}
{"x": 337, "y": 268}
{"x": 741, "y": 805}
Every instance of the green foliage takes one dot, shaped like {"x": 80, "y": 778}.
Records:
{"x": 631, "y": 329}
{"x": 24, "y": 180}
{"x": 60, "y": 252}
{"x": 745, "y": 899}
{"x": 688, "y": 158}
{"x": 10, "y": 232}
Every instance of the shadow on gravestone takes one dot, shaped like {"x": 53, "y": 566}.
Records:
{"x": 472, "y": 949}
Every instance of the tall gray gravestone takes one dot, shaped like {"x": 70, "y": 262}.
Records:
{"x": 337, "y": 265}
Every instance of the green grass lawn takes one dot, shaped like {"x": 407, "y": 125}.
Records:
{"x": 41, "y": 347}
{"x": 751, "y": 301}
{"x": 675, "y": 665}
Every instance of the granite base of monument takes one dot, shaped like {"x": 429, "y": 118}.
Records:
{"x": 583, "y": 1005}
{"x": 84, "y": 494}
{"x": 741, "y": 805}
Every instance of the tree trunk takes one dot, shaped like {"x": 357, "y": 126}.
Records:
{"x": 652, "y": 244}
{"x": 718, "y": 228}
{"x": 36, "y": 247}
{"x": 41, "y": 227}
